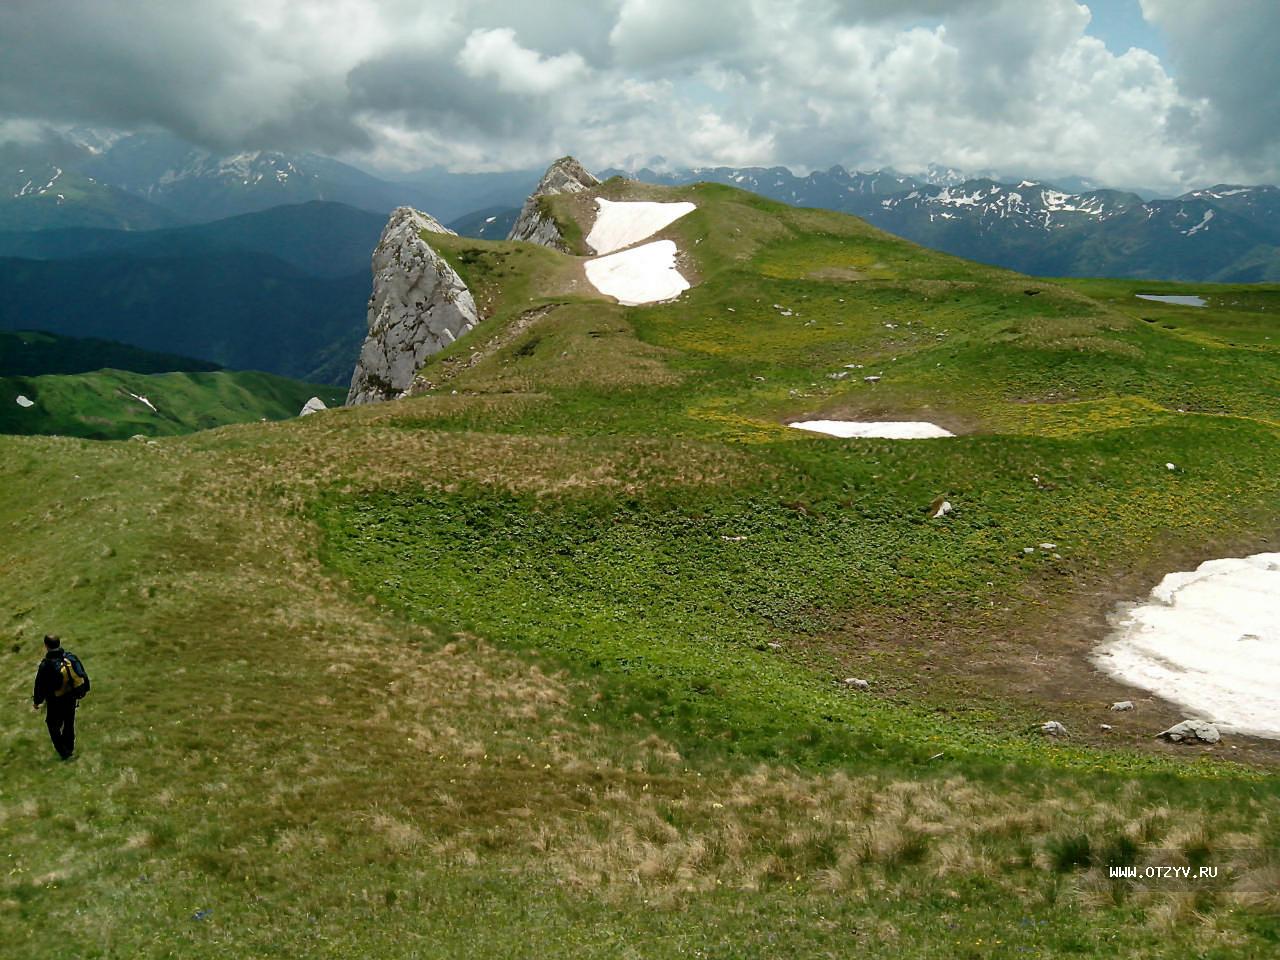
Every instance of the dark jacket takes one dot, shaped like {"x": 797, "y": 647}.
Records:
{"x": 49, "y": 679}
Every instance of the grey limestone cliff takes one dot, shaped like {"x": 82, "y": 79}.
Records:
{"x": 566, "y": 175}
{"x": 419, "y": 306}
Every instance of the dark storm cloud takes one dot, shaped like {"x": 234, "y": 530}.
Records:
{"x": 1228, "y": 54}
{"x": 111, "y": 61}
{"x": 203, "y": 71}
{"x": 426, "y": 91}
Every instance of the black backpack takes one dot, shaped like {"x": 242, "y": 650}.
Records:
{"x": 75, "y": 681}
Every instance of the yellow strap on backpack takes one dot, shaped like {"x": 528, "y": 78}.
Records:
{"x": 71, "y": 680}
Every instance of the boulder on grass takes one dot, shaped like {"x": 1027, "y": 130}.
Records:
{"x": 1191, "y": 731}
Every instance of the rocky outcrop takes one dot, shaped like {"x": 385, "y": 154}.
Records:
{"x": 1191, "y": 731}
{"x": 314, "y": 405}
{"x": 419, "y": 306}
{"x": 566, "y": 175}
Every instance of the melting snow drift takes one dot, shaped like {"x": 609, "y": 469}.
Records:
{"x": 144, "y": 401}
{"x": 1208, "y": 640}
{"x": 1179, "y": 300}
{"x": 619, "y": 225}
{"x": 644, "y": 274}
{"x": 884, "y": 430}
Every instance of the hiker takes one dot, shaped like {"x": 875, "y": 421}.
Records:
{"x": 60, "y": 683}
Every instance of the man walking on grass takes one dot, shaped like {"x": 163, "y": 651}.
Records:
{"x": 60, "y": 683}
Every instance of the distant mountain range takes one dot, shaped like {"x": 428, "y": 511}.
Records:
{"x": 320, "y": 238}
{"x": 149, "y": 181}
{"x": 491, "y": 223}
{"x": 260, "y": 260}
{"x": 283, "y": 290}
{"x": 88, "y": 178}
{"x": 1225, "y": 233}
{"x": 39, "y": 190}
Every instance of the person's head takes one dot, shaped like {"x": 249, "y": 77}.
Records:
{"x": 52, "y": 641}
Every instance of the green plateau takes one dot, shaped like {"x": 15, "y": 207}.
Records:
{"x": 547, "y": 658}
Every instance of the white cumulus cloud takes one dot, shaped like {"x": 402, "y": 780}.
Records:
{"x": 1005, "y": 85}
{"x": 517, "y": 70}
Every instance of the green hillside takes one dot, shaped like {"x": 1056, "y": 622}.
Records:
{"x": 238, "y": 309}
{"x": 34, "y": 352}
{"x": 545, "y": 660}
{"x": 109, "y": 404}
{"x": 320, "y": 238}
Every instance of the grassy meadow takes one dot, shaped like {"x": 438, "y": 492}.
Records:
{"x": 545, "y": 659}
{"x": 108, "y": 404}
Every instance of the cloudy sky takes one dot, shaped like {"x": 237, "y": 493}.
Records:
{"x": 1159, "y": 93}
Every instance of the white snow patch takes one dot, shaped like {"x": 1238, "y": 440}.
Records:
{"x": 957, "y": 199}
{"x": 144, "y": 400}
{"x": 643, "y": 274}
{"x": 24, "y": 401}
{"x": 620, "y": 224}
{"x": 1059, "y": 201}
{"x": 883, "y": 430}
{"x": 1202, "y": 225}
{"x": 1180, "y": 301}
{"x": 1208, "y": 640}
{"x": 51, "y": 182}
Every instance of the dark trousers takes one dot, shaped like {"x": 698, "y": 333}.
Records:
{"x": 61, "y": 719}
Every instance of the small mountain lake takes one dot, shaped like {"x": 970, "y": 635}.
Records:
{"x": 1181, "y": 301}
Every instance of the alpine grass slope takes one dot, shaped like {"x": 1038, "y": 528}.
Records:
{"x": 550, "y": 656}
{"x": 104, "y": 390}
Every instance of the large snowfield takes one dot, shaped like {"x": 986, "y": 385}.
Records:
{"x": 620, "y": 224}
{"x": 1208, "y": 640}
{"x": 644, "y": 274}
